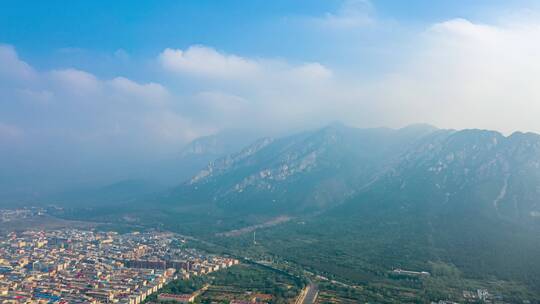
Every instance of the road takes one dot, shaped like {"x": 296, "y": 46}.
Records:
{"x": 273, "y": 222}
{"x": 309, "y": 295}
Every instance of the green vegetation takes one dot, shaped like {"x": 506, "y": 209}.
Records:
{"x": 366, "y": 276}
{"x": 243, "y": 281}
{"x": 240, "y": 282}
{"x": 181, "y": 287}
{"x": 185, "y": 286}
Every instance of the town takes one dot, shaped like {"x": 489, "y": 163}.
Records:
{"x": 83, "y": 266}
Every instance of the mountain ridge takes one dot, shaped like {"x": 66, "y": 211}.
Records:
{"x": 385, "y": 197}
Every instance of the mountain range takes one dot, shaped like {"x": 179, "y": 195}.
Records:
{"x": 371, "y": 198}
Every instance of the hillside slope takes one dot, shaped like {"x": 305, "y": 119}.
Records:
{"x": 469, "y": 198}
{"x": 300, "y": 174}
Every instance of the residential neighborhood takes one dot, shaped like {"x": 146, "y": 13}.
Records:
{"x": 77, "y": 266}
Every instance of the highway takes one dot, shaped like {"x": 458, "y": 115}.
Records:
{"x": 309, "y": 294}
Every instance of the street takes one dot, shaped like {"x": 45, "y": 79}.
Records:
{"x": 309, "y": 294}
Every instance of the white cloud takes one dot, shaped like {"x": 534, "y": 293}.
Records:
{"x": 76, "y": 109}
{"x": 311, "y": 72}
{"x": 272, "y": 96}
{"x": 173, "y": 128}
{"x": 215, "y": 100}
{"x": 36, "y": 96}
{"x": 207, "y": 62}
{"x": 12, "y": 69}
{"x": 456, "y": 74}
{"x": 75, "y": 82}
{"x": 351, "y": 14}
{"x": 152, "y": 93}
{"x": 463, "y": 74}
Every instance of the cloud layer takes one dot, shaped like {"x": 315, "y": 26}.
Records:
{"x": 79, "y": 106}
{"x": 461, "y": 74}
{"x": 207, "y": 62}
{"x": 456, "y": 74}
{"x": 469, "y": 75}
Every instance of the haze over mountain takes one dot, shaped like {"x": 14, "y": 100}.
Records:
{"x": 130, "y": 182}
{"x": 302, "y": 172}
{"x": 479, "y": 170}
{"x": 98, "y": 93}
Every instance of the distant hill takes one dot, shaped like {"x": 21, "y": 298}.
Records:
{"x": 299, "y": 174}
{"x": 312, "y": 172}
{"x": 196, "y": 155}
{"x": 218, "y": 145}
{"x": 148, "y": 178}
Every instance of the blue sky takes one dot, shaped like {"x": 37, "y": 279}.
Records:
{"x": 42, "y": 29}
{"x": 82, "y": 82}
